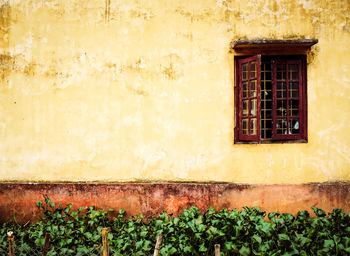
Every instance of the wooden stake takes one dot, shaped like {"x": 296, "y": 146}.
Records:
{"x": 105, "y": 251}
{"x": 11, "y": 242}
{"x": 46, "y": 244}
{"x": 159, "y": 241}
{"x": 217, "y": 250}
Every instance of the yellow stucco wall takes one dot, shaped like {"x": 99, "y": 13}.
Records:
{"x": 107, "y": 90}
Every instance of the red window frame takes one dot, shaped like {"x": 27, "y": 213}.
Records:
{"x": 277, "y": 137}
{"x": 253, "y": 134}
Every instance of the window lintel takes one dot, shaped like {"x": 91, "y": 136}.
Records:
{"x": 262, "y": 45}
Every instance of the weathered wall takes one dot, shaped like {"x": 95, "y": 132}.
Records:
{"x": 143, "y": 90}
{"x": 150, "y": 199}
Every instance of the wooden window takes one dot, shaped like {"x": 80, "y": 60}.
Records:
{"x": 270, "y": 99}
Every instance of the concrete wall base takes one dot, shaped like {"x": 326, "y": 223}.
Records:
{"x": 153, "y": 198}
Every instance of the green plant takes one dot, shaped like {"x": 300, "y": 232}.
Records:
{"x": 245, "y": 232}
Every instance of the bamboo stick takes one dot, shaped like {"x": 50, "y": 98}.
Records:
{"x": 217, "y": 249}
{"x": 46, "y": 244}
{"x": 105, "y": 251}
{"x": 158, "y": 243}
{"x": 11, "y": 242}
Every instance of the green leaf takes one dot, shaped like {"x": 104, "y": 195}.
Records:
{"x": 203, "y": 248}
{"x": 146, "y": 245}
{"x": 172, "y": 250}
{"x": 328, "y": 243}
{"x": 39, "y": 204}
{"x": 229, "y": 245}
{"x": 96, "y": 237}
{"x": 138, "y": 245}
{"x": 336, "y": 239}
{"x": 319, "y": 212}
{"x": 88, "y": 235}
{"x": 176, "y": 221}
{"x": 245, "y": 251}
{"x": 304, "y": 240}
{"x": 211, "y": 210}
{"x": 47, "y": 200}
{"x": 257, "y": 238}
{"x": 188, "y": 248}
{"x": 264, "y": 247}
{"x": 283, "y": 237}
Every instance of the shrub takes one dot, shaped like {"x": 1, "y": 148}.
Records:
{"x": 245, "y": 232}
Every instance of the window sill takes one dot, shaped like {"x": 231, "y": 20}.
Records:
{"x": 272, "y": 141}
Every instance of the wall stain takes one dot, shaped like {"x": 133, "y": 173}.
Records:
{"x": 17, "y": 63}
{"x": 6, "y": 63}
{"x": 5, "y": 23}
{"x": 6, "y": 60}
{"x": 169, "y": 72}
{"x": 20, "y": 198}
{"x": 204, "y": 15}
{"x": 144, "y": 14}
{"x": 107, "y": 10}
{"x": 171, "y": 66}
{"x": 312, "y": 55}
{"x": 30, "y": 68}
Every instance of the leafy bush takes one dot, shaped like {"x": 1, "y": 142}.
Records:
{"x": 246, "y": 232}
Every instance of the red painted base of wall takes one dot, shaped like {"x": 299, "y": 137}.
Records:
{"x": 150, "y": 199}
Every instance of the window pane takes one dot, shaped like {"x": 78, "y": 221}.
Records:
{"x": 245, "y": 108}
{"x": 266, "y": 71}
{"x": 245, "y": 89}
{"x": 245, "y": 71}
{"x": 281, "y": 71}
{"x": 253, "y": 88}
{"x": 266, "y": 101}
{"x": 293, "y": 107}
{"x": 253, "y": 69}
{"x": 253, "y": 126}
{"x": 253, "y": 107}
{"x": 281, "y": 90}
{"x": 293, "y": 71}
{"x": 266, "y": 86}
{"x": 281, "y": 108}
{"x": 245, "y": 126}
{"x": 293, "y": 126}
{"x": 294, "y": 90}
{"x": 281, "y": 126}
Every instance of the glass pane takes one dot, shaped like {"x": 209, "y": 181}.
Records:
{"x": 281, "y": 72}
{"x": 245, "y": 108}
{"x": 266, "y": 71}
{"x": 293, "y": 126}
{"x": 245, "y": 126}
{"x": 266, "y": 101}
{"x": 293, "y": 107}
{"x": 253, "y": 126}
{"x": 253, "y": 69}
{"x": 266, "y": 86}
{"x": 253, "y": 88}
{"x": 281, "y": 108}
{"x": 245, "y": 71}
{"x": 245, "y": 89}
{"x": 293, "y": 71}
{"x": 281, "y": 126}
{"x": 294, "y": 90}
{"x": 253, "y": 107}
{"x": 281, "y": 90}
